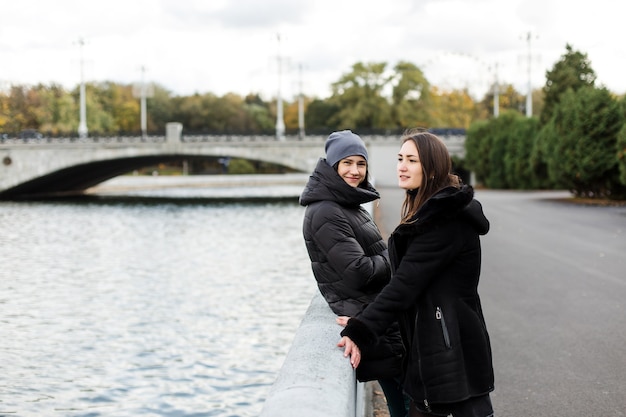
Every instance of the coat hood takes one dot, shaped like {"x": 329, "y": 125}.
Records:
{"x": 450, "y": 202}
{"x": 326, "y": 185}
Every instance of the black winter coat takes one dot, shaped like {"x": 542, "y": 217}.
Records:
{"x": 433, "y": 292}
{"x": 349, "y": 258}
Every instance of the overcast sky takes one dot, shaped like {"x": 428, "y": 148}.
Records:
{"x": 221, "y": 46}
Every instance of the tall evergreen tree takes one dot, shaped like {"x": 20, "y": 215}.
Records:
{"x": 583, "y": 160}
{"x": 573, "y": 71}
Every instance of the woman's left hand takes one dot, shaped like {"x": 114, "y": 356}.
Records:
{"x": 351, "y": 349}
{"x": 343, "y": 320}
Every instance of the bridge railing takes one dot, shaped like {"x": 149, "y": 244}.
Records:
{"x": 454, "y": 137}
{"x": 315, "y": 379}
{"x": 88, "y": 140}
{"x": 247, "y": 138}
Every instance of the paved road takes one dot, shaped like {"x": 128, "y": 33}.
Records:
{"x": 554, "y": 294}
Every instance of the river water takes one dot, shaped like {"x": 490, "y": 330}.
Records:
{"x": 141, "y": 306}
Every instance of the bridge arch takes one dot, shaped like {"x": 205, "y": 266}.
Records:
{"x": 66, "y": 166}
{"x": 75, "y": 179}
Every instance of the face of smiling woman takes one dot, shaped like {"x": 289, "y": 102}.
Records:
{"x": 409, "y": 167}
{"x": 352, "y": 169}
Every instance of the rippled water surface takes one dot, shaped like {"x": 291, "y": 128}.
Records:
{"x": 147, "y": 309}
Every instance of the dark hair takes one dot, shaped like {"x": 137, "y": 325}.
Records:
{"x": 436, "y": 171}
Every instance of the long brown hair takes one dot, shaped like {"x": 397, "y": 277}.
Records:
{"x": 436, "y": 171}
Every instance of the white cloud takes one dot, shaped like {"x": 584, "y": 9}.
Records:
{"x": 231, "y": 45}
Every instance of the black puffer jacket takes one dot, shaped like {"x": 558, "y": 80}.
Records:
{"x": 433, "y": 292}
{"x": 349, "y": 258}
{"x": 348, "y": 255}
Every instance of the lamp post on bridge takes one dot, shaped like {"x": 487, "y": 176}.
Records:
{"x": 496, "y": 92}
{"x": 529, "y": 92}
{"x": 143, "y": 91}
{"x": 280, "y": 123}
{"x": 300, "y": 106}
{"x": 82, "y": 125}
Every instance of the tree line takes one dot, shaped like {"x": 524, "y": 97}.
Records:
{"x": 575, "y": 139}
{"x": 368, "y": 97}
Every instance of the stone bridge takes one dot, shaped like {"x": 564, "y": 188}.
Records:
{"x": 69, "y": 166}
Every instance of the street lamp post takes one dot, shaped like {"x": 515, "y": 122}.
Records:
{"x": 144, "y": 118}
{"x": 82, "y": 125}
{"x": 300, "y": 107}
{"x": 143, "y": 91}
{"x": 529, "y": 94}
{"x": 496, "y": 93}
{"x": 280, "y": 123}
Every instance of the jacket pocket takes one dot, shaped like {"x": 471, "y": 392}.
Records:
{"x": 444, "y": 328}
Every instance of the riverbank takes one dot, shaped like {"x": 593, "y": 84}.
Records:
{"x": 145, "y": 182}
{"x": 230, "y": 188}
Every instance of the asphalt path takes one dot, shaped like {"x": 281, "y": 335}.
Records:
{"x": 553, "y": 288}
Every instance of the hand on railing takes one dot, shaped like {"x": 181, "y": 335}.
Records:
{"x": 342, "y": 320}
{"x": 351, "y": 349}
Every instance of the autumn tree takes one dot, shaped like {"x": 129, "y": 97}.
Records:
{"x": 60, "y": 112}
{"x": 291, "y": 116}
{"x": 359, "y": 97}
{"x": 451, "y": 108}
{"x": 159, "y": 109}
{"x": 230, "y": 110}
{"x": 4, "y": 112}
{"x": 259, "y": 114}
{"x": 410, "y": 96}
{"x": 511, "y": 99}
{"x": 193, "y": 112}
{"x": 320, "y": 116}
{"x": 98, "y": 104}
{"x": 22, "y": 109}
{"x": 120, "y": 104}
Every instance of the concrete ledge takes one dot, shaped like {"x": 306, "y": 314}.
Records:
{"x": 315, "y": 379}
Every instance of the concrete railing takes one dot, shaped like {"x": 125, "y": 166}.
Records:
{"x": 315, "y": 379}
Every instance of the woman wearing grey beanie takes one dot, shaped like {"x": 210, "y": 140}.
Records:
{"x": 348, "y": 255}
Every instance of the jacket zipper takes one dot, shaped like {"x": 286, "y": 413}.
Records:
{"x": 427, "y": 406}
{"x": 444, "y": 328}
{"x": 419, "y": 367}
{"x": 446, "y": 339}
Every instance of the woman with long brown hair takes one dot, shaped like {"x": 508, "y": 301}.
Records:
{"x": 435, "y": 255}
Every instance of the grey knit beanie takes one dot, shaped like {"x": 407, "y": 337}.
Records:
{"x": 340, "y": 145}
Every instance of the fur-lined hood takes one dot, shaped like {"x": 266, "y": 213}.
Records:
{"x": 445, "y": 204}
